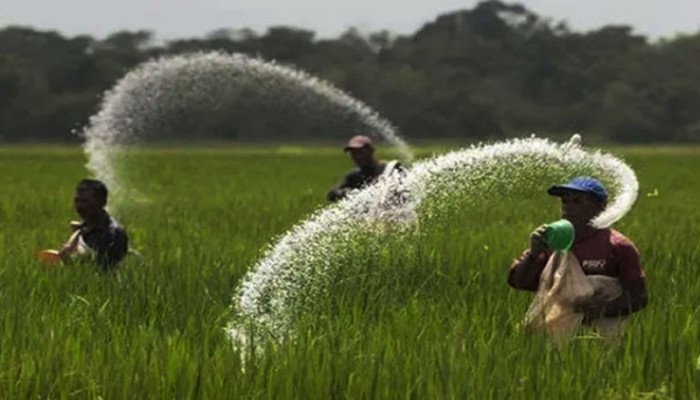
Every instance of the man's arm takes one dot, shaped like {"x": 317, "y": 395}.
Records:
{"x": 337, "y": 193}
{"x": 634, "y": 297}
{"x": 342, "y": 189}
{"x": 71, "y": 246}
{"x": 525, "y": 272}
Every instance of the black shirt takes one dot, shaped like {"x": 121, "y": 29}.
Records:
{"x": 107, "y": 239}
{"x": 358, "y": 179}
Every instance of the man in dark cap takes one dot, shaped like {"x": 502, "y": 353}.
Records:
{"x": 599, "y": 251}
{"x": 361, "y": 150}
{"x": 98, "y": 235}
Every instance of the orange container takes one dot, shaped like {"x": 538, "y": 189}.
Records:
{"x": 49, "y": 257}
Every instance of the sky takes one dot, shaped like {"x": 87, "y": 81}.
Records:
{"x": 171, "y": 19}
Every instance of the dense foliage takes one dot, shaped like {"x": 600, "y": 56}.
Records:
{"x": 492, "y": 71}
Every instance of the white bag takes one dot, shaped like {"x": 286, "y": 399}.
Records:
{"x": 563, "y": 285}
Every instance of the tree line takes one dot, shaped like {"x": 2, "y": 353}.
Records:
{"x": 493, "y": 71}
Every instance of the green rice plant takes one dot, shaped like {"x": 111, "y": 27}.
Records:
{"x": 431, "y": 318}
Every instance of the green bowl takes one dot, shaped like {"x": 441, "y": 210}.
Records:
{"x": 559, "y": 235}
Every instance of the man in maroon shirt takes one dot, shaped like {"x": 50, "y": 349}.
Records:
{"x": 599, "y": 251}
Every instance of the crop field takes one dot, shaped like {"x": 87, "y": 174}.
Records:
{"x": 433, "y": 319}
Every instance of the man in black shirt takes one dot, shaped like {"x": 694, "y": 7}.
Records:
{"x": 361, "y": 150}
{"x": 98, "y": 234}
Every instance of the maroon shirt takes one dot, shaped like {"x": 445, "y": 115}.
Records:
{"x": 605, "y": 252}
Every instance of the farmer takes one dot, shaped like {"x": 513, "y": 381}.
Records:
{"x": 98, "y": 235}
{"x": 361, "y": 150}
{"x": 599, "y": 252}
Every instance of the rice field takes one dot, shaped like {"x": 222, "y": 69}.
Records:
{"x": 427, "y": 320}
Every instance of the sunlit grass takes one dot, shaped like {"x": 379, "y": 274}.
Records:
{"x": 435, "y": 322}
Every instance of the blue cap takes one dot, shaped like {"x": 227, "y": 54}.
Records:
{"x": 584, "y": 184}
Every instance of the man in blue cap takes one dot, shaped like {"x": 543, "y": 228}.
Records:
{"x": 599, "y": 251}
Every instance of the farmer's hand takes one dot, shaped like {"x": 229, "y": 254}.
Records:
{"x": 71, "y": 245}
{"x": 537, "y": 241}
{"x": 339, "y": 194}
{"x": 65, "y": 252}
